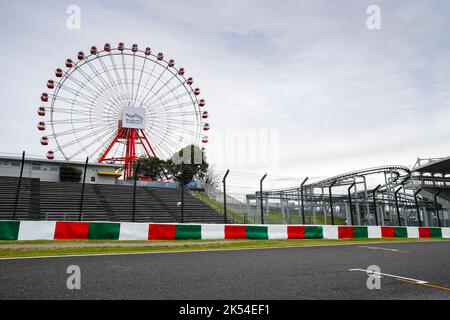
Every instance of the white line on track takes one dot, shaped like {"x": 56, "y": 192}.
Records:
{"x": 379, "y": 248}
{"x": 210, "y": 250}
{"x": 390, "y": 275}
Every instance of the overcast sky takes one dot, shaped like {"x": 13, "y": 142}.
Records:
{"x": 340, "y": 96}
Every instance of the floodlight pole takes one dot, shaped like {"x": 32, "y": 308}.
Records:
{"x": 331, "y": 201}
{"x": 375, "y": 203}
{"x": 225, "y": 196}
{"x": 350, "y": 201}
{"x": 261, "y": 195}
{"x": 303, "y": 202}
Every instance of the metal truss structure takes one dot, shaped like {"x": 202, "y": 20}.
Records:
{"x": 398, "y": 196}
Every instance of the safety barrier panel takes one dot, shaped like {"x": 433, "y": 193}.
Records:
{"x": 51, "y": 230}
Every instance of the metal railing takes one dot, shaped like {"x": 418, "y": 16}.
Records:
{"x": 78, "y": 200}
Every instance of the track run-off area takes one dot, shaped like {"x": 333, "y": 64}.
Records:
{"x": 407, "y": 270}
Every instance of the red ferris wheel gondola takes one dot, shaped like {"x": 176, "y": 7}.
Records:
{"x": 50, "y": 84}
{"x": 41, "y": 111}
{"x": 41, "y": 126}
{"x": 59, "y": 73}
{"x": 44, "y": 141}
{"x": 44, "y": 97}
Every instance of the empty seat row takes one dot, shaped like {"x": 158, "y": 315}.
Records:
{"x": 62, "y": 201}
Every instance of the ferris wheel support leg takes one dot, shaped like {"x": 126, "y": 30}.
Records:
{"x": 144, "y": 137}
{"x": 116, "y": 138}
{"x": 130, "y": 154}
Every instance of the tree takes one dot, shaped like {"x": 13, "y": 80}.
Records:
{"x": 212, "y": 178}
{"x": 150, "y": 167}
{"x": 69, "y": 174}
{"x": 187, "y": 163}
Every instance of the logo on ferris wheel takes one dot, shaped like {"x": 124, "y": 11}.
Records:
{"x": 134, "y": 118}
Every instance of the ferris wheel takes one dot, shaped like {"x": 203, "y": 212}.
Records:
{"x": 118, "y": 104}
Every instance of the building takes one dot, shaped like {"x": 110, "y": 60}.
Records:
{"x": 48, "y": 170}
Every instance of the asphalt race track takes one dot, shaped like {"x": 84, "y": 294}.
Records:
{"x": 285, "y": 273}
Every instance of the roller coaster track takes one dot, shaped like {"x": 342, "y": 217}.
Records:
{"x": 400, "y": 174}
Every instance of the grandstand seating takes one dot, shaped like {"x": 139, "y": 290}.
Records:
{"x": 8, "y": 188}
{"x": 40, "y": 200}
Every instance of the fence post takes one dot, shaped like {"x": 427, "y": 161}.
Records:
{"x": 18, "y": 186}
{"x": 182, "y": 202}
{"x": 331, "y": 202}
{"x": 375, "y": 203}
{"x": 303, "y": 200}
{"x": 225, "y": 197}
{"x": 417, "y": 206}
{"x": 436, "y": 205}
{"x": 396, "y": 206}
{"x": 80, "y": 217}
{"x": 261, "y": 195}
{"x": 134, "y": 190}
{"x": 350, "y": 201}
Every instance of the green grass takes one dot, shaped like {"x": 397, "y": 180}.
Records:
{"x": 230, "y": 212}
{"x": 12, "y": 253}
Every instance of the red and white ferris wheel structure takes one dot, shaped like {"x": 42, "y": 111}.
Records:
{"x": 117, "y": 104}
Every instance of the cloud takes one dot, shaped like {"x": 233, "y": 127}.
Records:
{"x": 343, "y": 97}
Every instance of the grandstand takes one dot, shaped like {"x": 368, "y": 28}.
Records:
{"x": 41, "y": 200}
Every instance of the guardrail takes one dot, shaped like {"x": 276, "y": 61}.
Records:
{"x": 63, "y": 230}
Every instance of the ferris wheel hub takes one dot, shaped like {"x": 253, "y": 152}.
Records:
{"x": 134, "y": 118}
